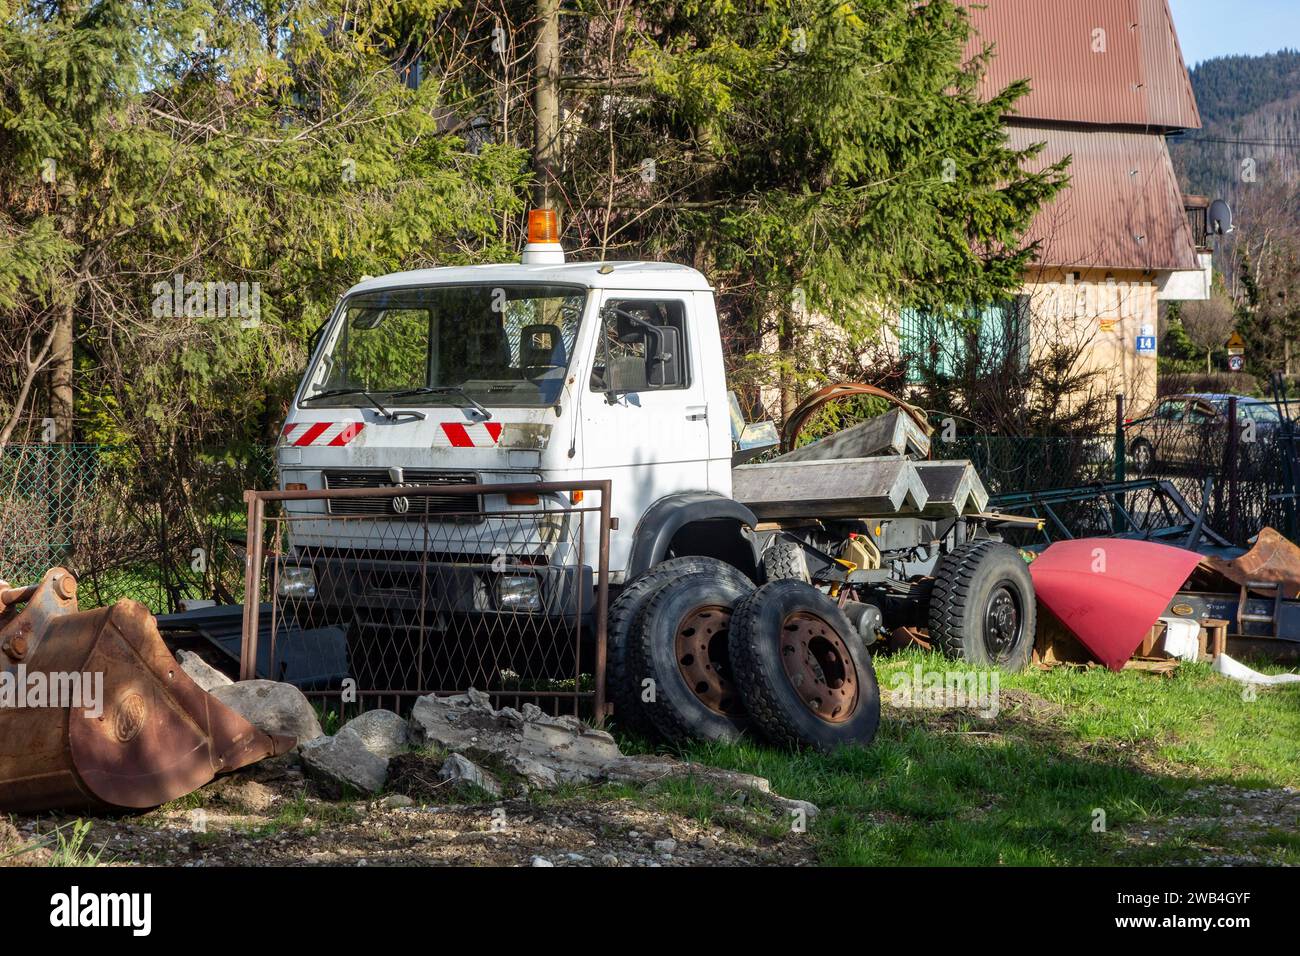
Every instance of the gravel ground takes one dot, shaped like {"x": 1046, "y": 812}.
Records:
{"x": 277, "y": 820}
{"x": 1235, "y": 827}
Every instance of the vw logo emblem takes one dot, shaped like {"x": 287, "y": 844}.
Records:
{"x": 401, "y": 505}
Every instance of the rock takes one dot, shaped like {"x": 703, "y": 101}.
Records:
{"x": 271, "y": 707}
{"x": 791, "y": 806}
{"x": 480, "y": 700}
{"x": 461, "y": 771}
{"x": 357, "y": 756}
{"x": 201, "y": 672}
{"x": 544, "y": 750}
{"x": 609, "y": 859}
{"x": 344, "y": 761}
{"x": 548, "y": 751}
{"x": 382, "y": 732}
{"x": 651, "y": 769}
{"x": 511, "y": 716}
{"x": 666, "y": 847}
{"x": 446, "y": 722}
{"x": 542, "y": 861}
{"x": 532, "y": 712}
{"x": 396, "y": 801}
{"x": 535, "y": 773}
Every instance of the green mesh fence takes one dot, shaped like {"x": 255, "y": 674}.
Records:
{"x": 159, "y": 526}
{"x": 1016, "y": 464}
{"x": 1245, "y": 480}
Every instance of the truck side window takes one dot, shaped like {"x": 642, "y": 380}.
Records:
{"x": 641, "y": 347}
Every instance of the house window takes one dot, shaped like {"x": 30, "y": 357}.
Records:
{"x": 944, "y": 346}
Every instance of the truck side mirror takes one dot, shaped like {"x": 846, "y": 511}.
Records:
{"x": 665, "y": 363}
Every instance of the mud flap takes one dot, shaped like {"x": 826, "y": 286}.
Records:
{"x": 141, "y": 732}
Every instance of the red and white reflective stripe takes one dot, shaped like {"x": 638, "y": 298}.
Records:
{"x": 457, "y": 435}
{"x": 320, "y": 433}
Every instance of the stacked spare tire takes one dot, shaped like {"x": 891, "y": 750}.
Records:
{"x": 696, "y": 651}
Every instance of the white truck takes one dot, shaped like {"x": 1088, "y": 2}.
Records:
{"x": 552, "y": 371}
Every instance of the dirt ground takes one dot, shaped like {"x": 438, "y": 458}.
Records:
{"x": 256, "y": 818}
{"x": 1239, "y": 827}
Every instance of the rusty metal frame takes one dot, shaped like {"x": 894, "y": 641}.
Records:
{"x": 830, "y": 393}
{"x": 258, "y": 500}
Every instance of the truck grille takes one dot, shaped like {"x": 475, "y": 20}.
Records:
{"x": 463, "y": 506}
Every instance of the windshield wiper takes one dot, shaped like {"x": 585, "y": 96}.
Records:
{"x": 332, "y": 392}
{"x": 447, "y": 390}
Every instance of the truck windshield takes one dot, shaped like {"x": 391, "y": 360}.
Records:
{"x": 495, "y": 344}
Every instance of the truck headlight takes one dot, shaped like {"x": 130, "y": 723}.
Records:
{"x": 297, "y": 583}
{"x": 519, "y": 594}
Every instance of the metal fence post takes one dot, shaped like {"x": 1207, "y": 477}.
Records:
{"x": 252, "y": 587}
{"x": 1117, "y": 514}
{"x": 1234, "y": 451}
{"x": 602, "y": 598}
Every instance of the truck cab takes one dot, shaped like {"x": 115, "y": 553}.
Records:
{"x": 537, "y": 371}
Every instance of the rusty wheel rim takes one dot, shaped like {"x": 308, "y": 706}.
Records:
{"x": 701, "y": 647}
{"x": 819, "y": 667}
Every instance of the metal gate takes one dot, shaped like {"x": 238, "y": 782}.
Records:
{"x": 375, "y": 595}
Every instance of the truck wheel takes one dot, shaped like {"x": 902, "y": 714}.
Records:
{"x": 625, "y": 690}
{"x": 982, "y": 606}
{"x": 804, "y": 674}
{"x": 785, "y": 560}
{"x": 680, "y": 643}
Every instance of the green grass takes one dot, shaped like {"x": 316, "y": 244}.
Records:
{"x": 68, "y": 846}
{"x": 307, "y": 816}
{"x": 1025, "y": 788}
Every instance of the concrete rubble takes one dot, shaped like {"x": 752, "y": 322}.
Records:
{"x": 357, "y": 756}
{"x": 546, "y": 751}
{"x": 536, "y": 749}
{"x": 458, "y": 770}
{"x": 272, "y": 707}
{"x": 201, "y": 672}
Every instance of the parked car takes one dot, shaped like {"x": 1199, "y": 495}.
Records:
{"x": 1182, "y": 429}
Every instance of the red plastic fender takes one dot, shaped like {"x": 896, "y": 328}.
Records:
{"x": 1109, "y": 591}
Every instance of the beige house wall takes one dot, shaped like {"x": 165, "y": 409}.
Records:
{"x": 1098, "y": 314}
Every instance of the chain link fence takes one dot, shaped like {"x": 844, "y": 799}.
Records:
{"x": 161, "y": 526}
{"x": 1239, "y": 480}
{"x": 167, "y": 526}
{"x": 1008, "y": 464}
{"x": 1245, "y": 475}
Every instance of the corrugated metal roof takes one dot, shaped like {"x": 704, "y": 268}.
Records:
{"x": 1132, "y": 73}
{"x": 1122, "y": 209}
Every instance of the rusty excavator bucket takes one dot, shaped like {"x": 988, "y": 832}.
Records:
{"x": 95, "y": 712}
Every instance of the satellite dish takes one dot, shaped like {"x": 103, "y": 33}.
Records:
{"x": 1218, "y": 220}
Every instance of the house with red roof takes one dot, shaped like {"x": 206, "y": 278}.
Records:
{"x": 1108, "y": 85}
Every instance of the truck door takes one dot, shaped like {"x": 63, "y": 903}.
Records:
{"x": 645, "y": 417}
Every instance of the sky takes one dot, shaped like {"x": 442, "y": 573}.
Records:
{"x": 1209, "y": 28}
